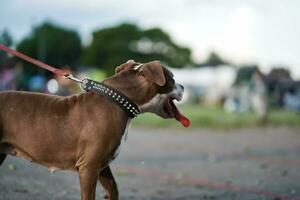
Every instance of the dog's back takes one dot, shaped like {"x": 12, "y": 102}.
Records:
{"x": 31, "y": 118}
{"x": 15, "y": 106}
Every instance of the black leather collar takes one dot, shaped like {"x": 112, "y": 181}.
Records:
{"x": 129, "y": 107}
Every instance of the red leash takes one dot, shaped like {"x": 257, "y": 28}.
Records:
{"x": 38, "y": 63}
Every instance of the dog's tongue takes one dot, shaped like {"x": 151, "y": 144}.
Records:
{"x": 180, "y": 117}
{"x": 183, "y": 119}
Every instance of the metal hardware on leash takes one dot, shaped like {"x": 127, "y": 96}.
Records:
{"x": 71, "y": 77}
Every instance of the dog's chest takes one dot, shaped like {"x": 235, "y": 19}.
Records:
{"x": 123, "y": 140}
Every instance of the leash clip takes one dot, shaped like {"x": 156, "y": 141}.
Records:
{"x": 71, "y": 77}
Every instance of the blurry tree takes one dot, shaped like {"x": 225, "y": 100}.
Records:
{"x": 279, "y": 82}
{"x": 280, "y": 73}
{"x": 115, "y": 45}
{"x": 213, "y": 60}
{"x": 51, "y": 44}
{"x": 5, "y": 39}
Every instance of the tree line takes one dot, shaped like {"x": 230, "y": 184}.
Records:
{"x": 59, "y": 46}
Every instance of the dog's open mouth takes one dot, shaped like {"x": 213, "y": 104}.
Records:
{"x": 173, "y": 112}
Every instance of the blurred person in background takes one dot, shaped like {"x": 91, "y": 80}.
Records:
{"x": 7, "y": 79}
{"x": 258, "y": 96}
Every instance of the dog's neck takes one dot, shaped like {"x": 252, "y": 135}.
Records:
{"x": 140, "y": 92}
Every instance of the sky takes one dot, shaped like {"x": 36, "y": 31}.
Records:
{"x": 265, "y": 32}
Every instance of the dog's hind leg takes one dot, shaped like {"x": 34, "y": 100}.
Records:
{"x": 2, "y": 158}
{"x": 108, "y": 182}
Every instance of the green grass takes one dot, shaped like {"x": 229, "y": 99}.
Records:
{"x": 216, "y": 117}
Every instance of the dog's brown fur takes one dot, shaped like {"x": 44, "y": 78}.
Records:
{"x": 79, "y": 132}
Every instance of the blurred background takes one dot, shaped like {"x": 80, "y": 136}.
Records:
{"x": 234, "y": 57}
{"x": 238, "y": 60}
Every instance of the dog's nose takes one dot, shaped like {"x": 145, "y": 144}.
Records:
{"x": 181, "y": 86}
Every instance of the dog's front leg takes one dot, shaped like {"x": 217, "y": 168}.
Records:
{"x": 107, "y": 180}
{"x": 88, "y": 181}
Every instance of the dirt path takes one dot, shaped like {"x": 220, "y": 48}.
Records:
{"x": 175, "y": 164}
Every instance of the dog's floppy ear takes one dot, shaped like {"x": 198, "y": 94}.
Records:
{"x": 154, "y": 72}
{"x": 124, "y": 66}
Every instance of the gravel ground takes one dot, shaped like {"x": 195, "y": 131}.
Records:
{"x": 158, "y": 164}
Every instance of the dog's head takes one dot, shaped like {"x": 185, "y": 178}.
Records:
{"x": 151, "y": 86}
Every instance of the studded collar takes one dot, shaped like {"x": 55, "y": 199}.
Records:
{"x": 129, "y": 107}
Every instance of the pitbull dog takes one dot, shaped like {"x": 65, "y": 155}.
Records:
{"x": 83, "y": 132}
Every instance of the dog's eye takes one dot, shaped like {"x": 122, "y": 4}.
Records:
{"x": 168, "y": 87}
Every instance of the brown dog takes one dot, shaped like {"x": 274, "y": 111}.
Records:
{"x": 83, "y": 132}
